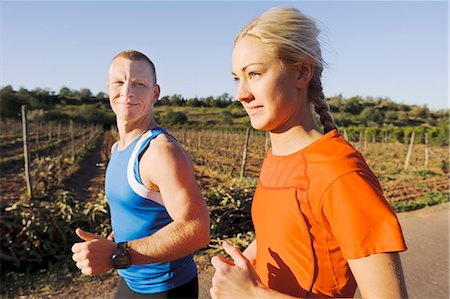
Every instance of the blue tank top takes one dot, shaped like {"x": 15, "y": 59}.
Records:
{"x": 137, "y": 212}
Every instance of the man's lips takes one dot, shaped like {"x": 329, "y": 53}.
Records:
{"x": 126, "y": 103}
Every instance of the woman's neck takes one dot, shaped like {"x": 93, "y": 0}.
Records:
{"x": 293, "y": 140}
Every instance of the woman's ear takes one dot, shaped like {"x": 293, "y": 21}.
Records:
{"x": 305, "y": 72}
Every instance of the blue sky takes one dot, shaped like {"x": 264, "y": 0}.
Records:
{"x": 388, "y": 49}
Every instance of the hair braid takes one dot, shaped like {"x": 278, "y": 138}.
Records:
{"x": 321, "y": 106}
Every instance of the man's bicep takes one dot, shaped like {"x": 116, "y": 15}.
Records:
{"x": 172, "y": 172}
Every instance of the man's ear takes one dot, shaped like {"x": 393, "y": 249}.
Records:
{"x": 156, "y": 93}
{"x": 305, "y": 72}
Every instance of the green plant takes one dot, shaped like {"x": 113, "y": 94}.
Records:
{"x": 428, "y": 199}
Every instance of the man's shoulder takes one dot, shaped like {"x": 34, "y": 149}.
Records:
{"x": 163, "y": 147}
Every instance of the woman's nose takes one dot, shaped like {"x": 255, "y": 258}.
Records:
{"x": 243, "y": 92}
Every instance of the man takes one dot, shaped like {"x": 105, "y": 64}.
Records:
{"x": 158, "y": 214}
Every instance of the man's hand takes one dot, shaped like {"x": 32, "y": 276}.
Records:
{"x": 235, "y": 279}
{"x": 93, "y": 256}
{"x": 111, "y": 236}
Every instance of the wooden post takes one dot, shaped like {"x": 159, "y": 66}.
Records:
{"x": 345, "y": 134}
{"x": 266, "y": 143}
{"x": 386, "y": 138}
{"x": 37, "y": 134}
{"x": 408, "y": 155}
{"x": 426, "y": 151}
{"x": 26, "y": 152}
{"x": 49, "y": 129}
{"x": 361, "y": 136}
{"x": 244, "y": 154}
{"x": 83, "y": 134}
{"x": 199, "y": 138}
{"x": 59, "y": 132}
{"x": 365, "y": 140}
{"x": 72, "y": 145}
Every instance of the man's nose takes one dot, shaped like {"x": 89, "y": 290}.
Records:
{"x": 127, "y": 90}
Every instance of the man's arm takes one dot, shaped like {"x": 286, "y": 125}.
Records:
{"x": 167, "y": 167}
{"x": 379, "y": 276}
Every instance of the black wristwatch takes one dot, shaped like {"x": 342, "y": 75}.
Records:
{"x": 121, "y": 258}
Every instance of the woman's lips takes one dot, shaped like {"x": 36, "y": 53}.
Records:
{"x": 253, "y": 110}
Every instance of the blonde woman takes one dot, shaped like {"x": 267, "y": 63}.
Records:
{"x": 322, "y": 224}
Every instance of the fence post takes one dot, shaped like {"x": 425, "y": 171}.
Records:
{"x": 266, "y": 143}
{"x": 26, "y": 152}
{"x": 426, "y": 150}
{"x": 59, "y": 132}
{"x": 408, "y": 156}
{"x": 244, "y": 154}
{"x": 72, "y": 145}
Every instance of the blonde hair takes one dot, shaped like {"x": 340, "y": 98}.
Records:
{"x": 292, "y": 37}
{"x": 134, "y": 55}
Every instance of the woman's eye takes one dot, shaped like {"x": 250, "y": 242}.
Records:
{"x": 252, "y": 75}
{"x": 236, "y": 79}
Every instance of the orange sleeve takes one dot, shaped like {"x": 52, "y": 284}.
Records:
{"x": 356, "y": 213}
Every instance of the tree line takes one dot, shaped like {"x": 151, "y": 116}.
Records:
{"x": 353, "y": 111}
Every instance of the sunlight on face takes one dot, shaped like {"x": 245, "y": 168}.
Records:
{"x": 266, "y": 90}
{"x": 131, "y": 89}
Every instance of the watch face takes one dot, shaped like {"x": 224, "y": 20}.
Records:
{"x": 121, "y": 261}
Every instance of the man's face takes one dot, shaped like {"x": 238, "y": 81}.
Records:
{"x": 131, "y": 87}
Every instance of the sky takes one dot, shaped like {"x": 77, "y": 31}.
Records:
{"x": 397, "y": 50}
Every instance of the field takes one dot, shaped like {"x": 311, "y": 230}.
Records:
{"x": 67, "y": 168}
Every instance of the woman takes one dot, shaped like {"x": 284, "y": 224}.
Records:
{"x": 322, "y": 224}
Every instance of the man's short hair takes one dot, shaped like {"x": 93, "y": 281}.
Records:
{"x": 137, "y": 56}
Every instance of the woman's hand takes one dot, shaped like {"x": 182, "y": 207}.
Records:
{"x": 235, "y": 279}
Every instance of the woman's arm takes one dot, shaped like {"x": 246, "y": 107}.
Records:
{"x": 379, "y": 276}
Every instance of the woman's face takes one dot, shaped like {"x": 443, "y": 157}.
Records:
{"x": 268, "y": 91}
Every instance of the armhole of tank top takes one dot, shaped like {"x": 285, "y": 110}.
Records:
{"x": 113, "y": 147}
{"x": 137, "y": 187}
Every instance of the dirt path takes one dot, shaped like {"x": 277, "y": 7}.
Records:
{"x": 90, "y": 177}
{"x": 426, "y": 262}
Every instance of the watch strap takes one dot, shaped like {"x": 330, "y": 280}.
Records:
{"x": 122, "y": 247}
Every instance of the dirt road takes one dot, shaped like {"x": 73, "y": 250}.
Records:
{"x": 425, "y": 263}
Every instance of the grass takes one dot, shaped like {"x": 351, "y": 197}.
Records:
{"x": 427, "y": 200}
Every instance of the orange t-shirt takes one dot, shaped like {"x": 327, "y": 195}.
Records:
{"x": 313, "y": 210}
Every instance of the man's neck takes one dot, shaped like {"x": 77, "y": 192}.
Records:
{"x": 129, "y": 131}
